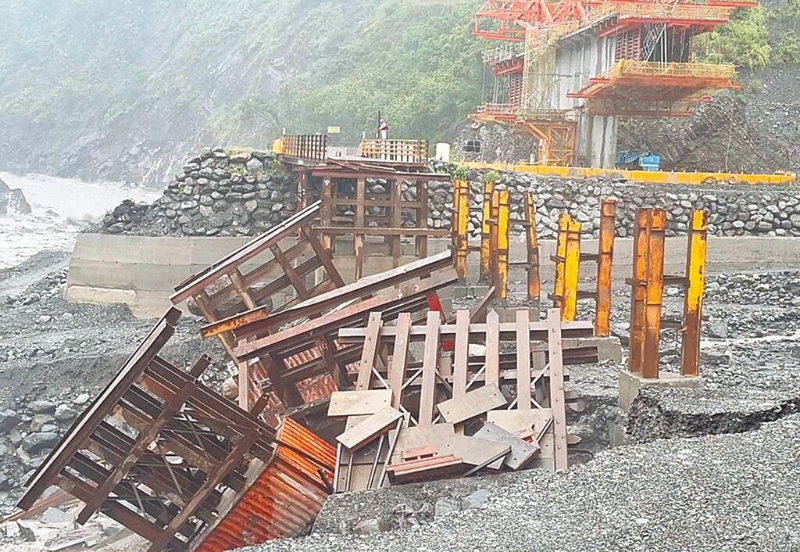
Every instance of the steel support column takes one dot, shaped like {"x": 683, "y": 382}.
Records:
{"x": 572, "y": 266}
{"x": 560, "y": 256}
{"x": 693, "y": 305}
{"x": 493, "y": 236}
{"x": 502, "y": 244}
{"x": 605, "y": 255}
{"x": 488, "y": 192}
{"x": 638, "y": 291}
{"x": 461, "y": 229}
{"x": 534, "y": 279}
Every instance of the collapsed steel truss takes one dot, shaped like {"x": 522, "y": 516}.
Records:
{"x": 285, "y": 266}
{"x": 168, "y": 458}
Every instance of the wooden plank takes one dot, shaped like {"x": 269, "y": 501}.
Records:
{"x": 358, "y": 403}
{"x": 557, "y": 402}
{"x": 430, "y": 366}
{"x": 521, "y": 451}
{"x": 370, "y": 353}
{"x": 362, "y": 433}
{"x": 523, "y": 360}
{"x": 397, "y": 370}
{"x": 461, "y": 354}
{"x": 472, "y": 404}
{"x": 492, "y": 348}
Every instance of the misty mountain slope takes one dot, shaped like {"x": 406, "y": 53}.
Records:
{"x": 120, "y": 89}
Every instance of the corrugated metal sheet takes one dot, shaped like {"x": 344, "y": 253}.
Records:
{"x": 312, "y": 389}
{"x": 284, "y": 500}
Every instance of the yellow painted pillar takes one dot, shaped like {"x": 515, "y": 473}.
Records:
{"x": 493, "y": 238}
{"x": 503, "y": 212}
{"x": 461, "y": 198}
{"x": 572, "y": 268}
{"x": 488, "y": 192}
{"x": 561, "y": 253}
{"x": 605, "y": 255}
{"x": 534, "y": 278}
{"x": 693, "y": 304}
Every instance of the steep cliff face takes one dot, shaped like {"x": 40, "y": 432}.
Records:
{"x": 124, "y": 89}
{"x": 756, "y": 130}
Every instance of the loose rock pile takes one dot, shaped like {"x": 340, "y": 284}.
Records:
{"x": 219, "y": 192}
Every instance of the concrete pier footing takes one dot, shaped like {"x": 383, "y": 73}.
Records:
{"x": 630, "y": 384}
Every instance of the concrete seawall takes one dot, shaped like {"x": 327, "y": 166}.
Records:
{"x": 142, "y": 271}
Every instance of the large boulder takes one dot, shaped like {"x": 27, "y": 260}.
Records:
{"x": 13, "y": 202}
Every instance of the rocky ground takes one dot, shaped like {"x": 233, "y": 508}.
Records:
{"x": 56, "y": 356}
{"x": 725, "y": 454}
{"x": 707, "y": 469}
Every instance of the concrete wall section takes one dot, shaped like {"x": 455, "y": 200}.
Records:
{"x": 579, "y": 58}
{"x": 142, "y": 271}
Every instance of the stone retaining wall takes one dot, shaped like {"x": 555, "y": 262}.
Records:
{"x": 742, "y": 210}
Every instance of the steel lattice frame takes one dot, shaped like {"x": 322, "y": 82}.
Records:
{"x": 163, "y": 455}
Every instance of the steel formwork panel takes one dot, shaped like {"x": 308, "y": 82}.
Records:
{"x": 534, "y": 369}
{"x": 275, "y": 271}
{"x": 297, "y": 367}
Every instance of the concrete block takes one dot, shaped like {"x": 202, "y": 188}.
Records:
{"x": 630, "y": 384}
{"x": 608, "y": 348}
{"x": 509, "y": 314}
{"x": 100, "y": 296}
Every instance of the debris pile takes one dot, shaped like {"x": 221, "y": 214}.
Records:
{"x": 165, "y": 456}
{"x": 466, "y": 408}
{"x": 175, "y": 462}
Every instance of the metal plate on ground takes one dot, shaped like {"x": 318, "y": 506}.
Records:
{"x": 359, "y": 403}
{"x": 521, "y": 451}
{"x": 472, "y": 404}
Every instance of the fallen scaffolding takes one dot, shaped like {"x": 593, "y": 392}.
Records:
{"x": 172, "y": 461}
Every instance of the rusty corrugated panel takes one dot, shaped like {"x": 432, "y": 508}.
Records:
{"x": 284, "y": 500}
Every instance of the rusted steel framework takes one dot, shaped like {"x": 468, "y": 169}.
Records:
{"x": 648, "y": 284}
{"x": 294, "y": 360}
{"x": 461, "y": 200}
{"x": 397, "y": 151}
{"x": 375, "y": 204}
{"x": 277, "y": 270}
{"x": 170, "y": 459}
{"x": 568, "y": 260}
{"x": 423, "y": 391}
{"x": 307, "y": 147}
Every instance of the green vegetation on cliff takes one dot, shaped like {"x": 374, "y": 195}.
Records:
{"x": 146, "y": 74}
{"x": 122, "y": 88}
